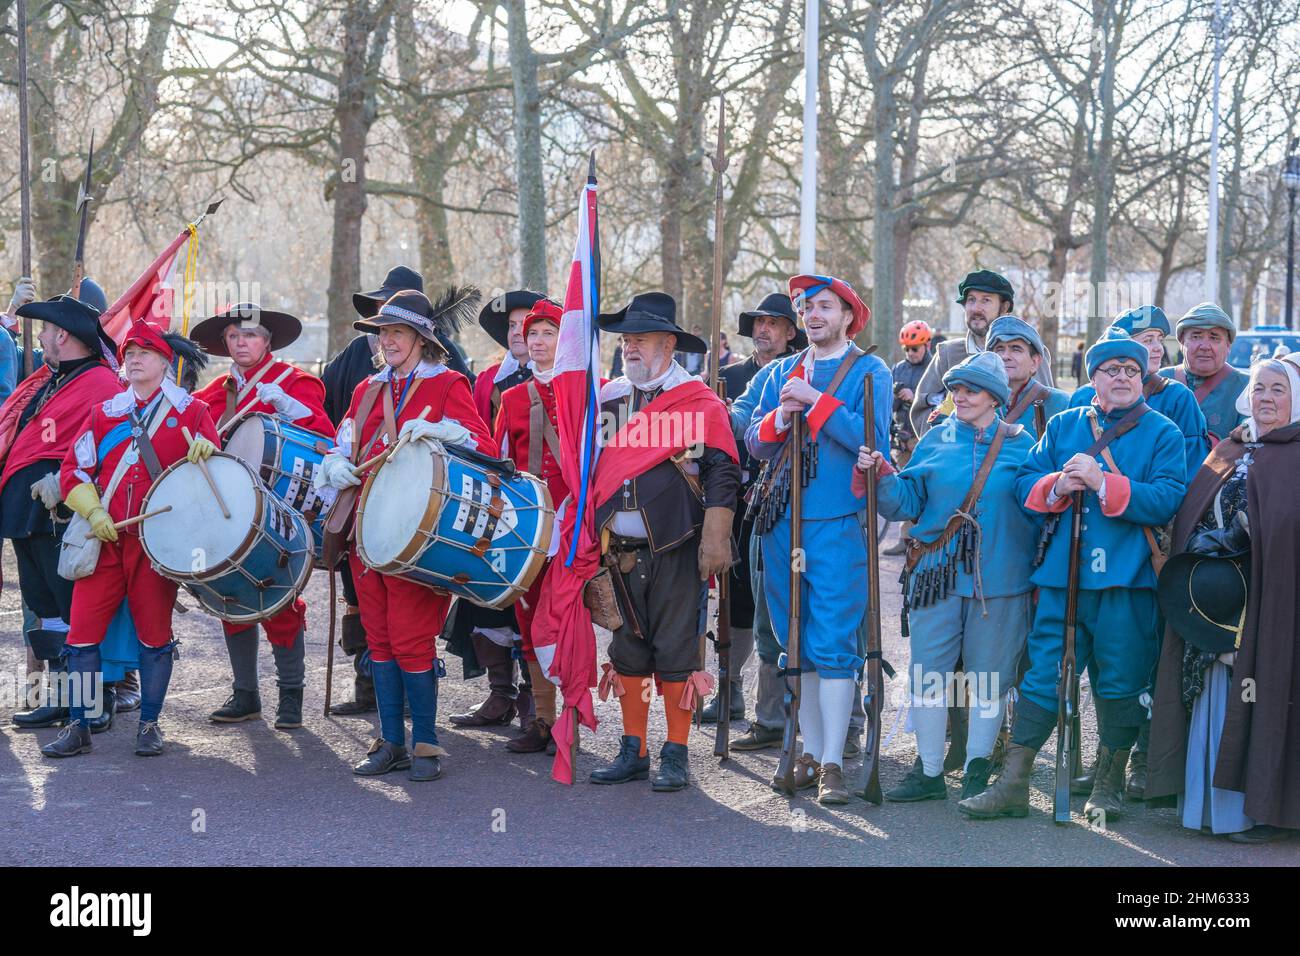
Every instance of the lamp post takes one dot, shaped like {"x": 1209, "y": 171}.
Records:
{"x": 1291, "y": 179}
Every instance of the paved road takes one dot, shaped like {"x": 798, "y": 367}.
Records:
{"x": 275, "y": 798}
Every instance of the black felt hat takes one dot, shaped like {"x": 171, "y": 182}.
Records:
{"x": 1203, "y": 598}
{"x": 398, "y": 280}
{"x": 651, "y": 312}
{"x": 777, "y": 306}
{"x": 494, "y": 317}
{"x": 79, "y": 319}
{"x": 210, "y": 333}
{"x": 985, "y": 280}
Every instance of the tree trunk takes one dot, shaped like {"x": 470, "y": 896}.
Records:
{"x": 354, "y": 113}
{"x": 528, "y": 150}
{"x": 884, "y": 318}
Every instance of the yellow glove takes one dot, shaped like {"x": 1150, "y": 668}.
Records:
{"x": 201, "y": 450}
{"x": 84, "y": 500}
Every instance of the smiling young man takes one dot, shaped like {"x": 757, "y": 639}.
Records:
{"x": 121, "y": 448}
{"x": 1206, "y": 334}
{"x": 1135, "y": 482}
{"x": 984, "y": 295}
{"x": 258, "y": 382}
{"x": 827, "y": 385}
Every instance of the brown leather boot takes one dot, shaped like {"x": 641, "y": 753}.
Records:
{"x": 805, "y": 772}
{"x": 1082, "y": 786}
{"x": 534, "y": 740}
{"x": 1137, "y": 775}
{"x": 830, "y": 785}
{"x": 1009, "y": 796}
{"x": 499, "y": 708}
{"x": 1107, "y": 799}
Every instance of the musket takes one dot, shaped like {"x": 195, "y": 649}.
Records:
{"x": 24, "y": 182}
{"x": 873, "y": 690}
{"x": 1067, "y": 685}
{"x": 722, "y": 738}
{"x": 784, "y": 779}
{"x": 83, "y": 210}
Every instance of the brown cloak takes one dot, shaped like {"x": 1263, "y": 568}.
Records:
{"x": 1259, "y": 753}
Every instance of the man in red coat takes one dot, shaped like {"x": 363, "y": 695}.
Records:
{"x": 491, "y": 632}
{"x": 259, "y": 382}
{"x": 106, "y": 473}
{"x": 526, "y": 432}
{"x": 402, "y": 619}
{"x": 37, "y": 425}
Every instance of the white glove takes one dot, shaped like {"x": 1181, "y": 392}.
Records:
{"x": 284, "y": 405}
{"x": 24, "y": 292}
{"x": 335, "y": 471}
{"x": 444, "y": 430}
{"x": 47, "y": 492}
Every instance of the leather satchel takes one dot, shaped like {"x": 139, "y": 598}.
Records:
{"x": 599, "y": 598}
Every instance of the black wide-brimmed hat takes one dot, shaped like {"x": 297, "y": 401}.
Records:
{"x": 1203, "y": 598}
{"x": 210, "y": 333}
{"x": 494, "y": 318}
{"x": 777, "y": 306}
{"x": 79, "y": 319}
{"x": 413, "y": 308}
{"x": 651, "y": 312}
{"x": 398, "y": 280}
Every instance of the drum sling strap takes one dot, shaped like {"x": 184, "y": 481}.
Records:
{"x": 338, "y": 526}
{"x": 236, "y": 397}
{"x": 1158, "y": 556}
{"x": 539, "y": 429}
{"x": 935, "y": 583}
{"x": 1208, "y": 385}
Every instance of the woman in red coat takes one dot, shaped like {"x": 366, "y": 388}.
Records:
{"x": 104, "y": 478}
{"x": 402, "y": 619}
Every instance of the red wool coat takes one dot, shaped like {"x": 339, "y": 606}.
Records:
{"x": 296, "y": 383}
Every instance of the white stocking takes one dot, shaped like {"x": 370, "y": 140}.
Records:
{"x": 810, "y": 713}
{"x": 930, "y": 721}
{"x": 837, "y": 707}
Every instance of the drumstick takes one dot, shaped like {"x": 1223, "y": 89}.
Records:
{"x": 136, "y": 520}
{"x": 203, "y": 467}
{"x": 389, "y": 452}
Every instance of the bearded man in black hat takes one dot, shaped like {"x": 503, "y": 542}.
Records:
{"x": 258, "y": 382}
{"x": 37, "y": 425}
{"x": 664, "y": 491}
{"x": 341, "y": 376}
{"x": 984, "y": 295}
{"x": 774, "y": 329}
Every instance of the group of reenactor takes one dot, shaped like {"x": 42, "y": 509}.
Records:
{"x": 987, "y": 457}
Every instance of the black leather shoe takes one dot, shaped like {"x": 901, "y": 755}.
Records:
{"x": 976, "y": 779}
{"x": 363, "y": 701}
{"x": 148, "y": 739}
{"x": 241, "y": 705}
{"x": 104, "y": 721}
{"x": 288, "y": 715}
{"x": 73, "y": 740}
{"x": 628, "y": 765}
{"x": 674, "y": 772}
{"x": 917, "y": 786}
{"x": 709, "y": 714}
{"x": 383, "y": 757}
{"x": 128, "y": 692}
{"x": 425, "y": 763}
{"x": 41, "y": 717}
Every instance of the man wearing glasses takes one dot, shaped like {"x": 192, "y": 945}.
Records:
{"x": 1134, "y": 482}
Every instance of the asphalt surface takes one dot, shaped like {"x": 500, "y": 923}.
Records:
{"x": 247, "y": 794}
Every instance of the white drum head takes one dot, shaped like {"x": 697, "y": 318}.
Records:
{"x": 395, "y": 503}
{"x": 247, "y": 441}
{"x": 194, "y": 537}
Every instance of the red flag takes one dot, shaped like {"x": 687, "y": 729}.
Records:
{"x": 562, "y": 631}
{"x": 152, "y": 296}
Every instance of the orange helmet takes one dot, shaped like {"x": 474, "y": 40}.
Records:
{"x": 915, "y": 333}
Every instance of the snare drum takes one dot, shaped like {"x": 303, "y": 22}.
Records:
{"x": 286, "y": 458}
{"x": 243, "y": 569}
{"x": 455, "y": 520}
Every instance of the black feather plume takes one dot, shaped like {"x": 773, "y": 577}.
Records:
{"x": 457, "y": 304}
{"x": 194, "y": 357}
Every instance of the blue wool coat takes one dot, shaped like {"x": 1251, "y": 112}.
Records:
{"x": 1115, "y": 553}
{"x": 937, "y": 479}
{"x": 1178, "y": 404}
{"x": 1220, "y": 406}
{"x": 1056, "y": 401}
{"x": 838, "y": 427}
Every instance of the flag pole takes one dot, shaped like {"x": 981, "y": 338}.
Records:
{"x": 808, "y": 184}
{"x": 24, "y": 180}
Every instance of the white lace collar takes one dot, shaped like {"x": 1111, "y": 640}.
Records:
{"x": 424, "y": 370}
{"x": 673, "y": 376}
{"x": 509, "y": 365}
{"x": 121, "y": 404}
